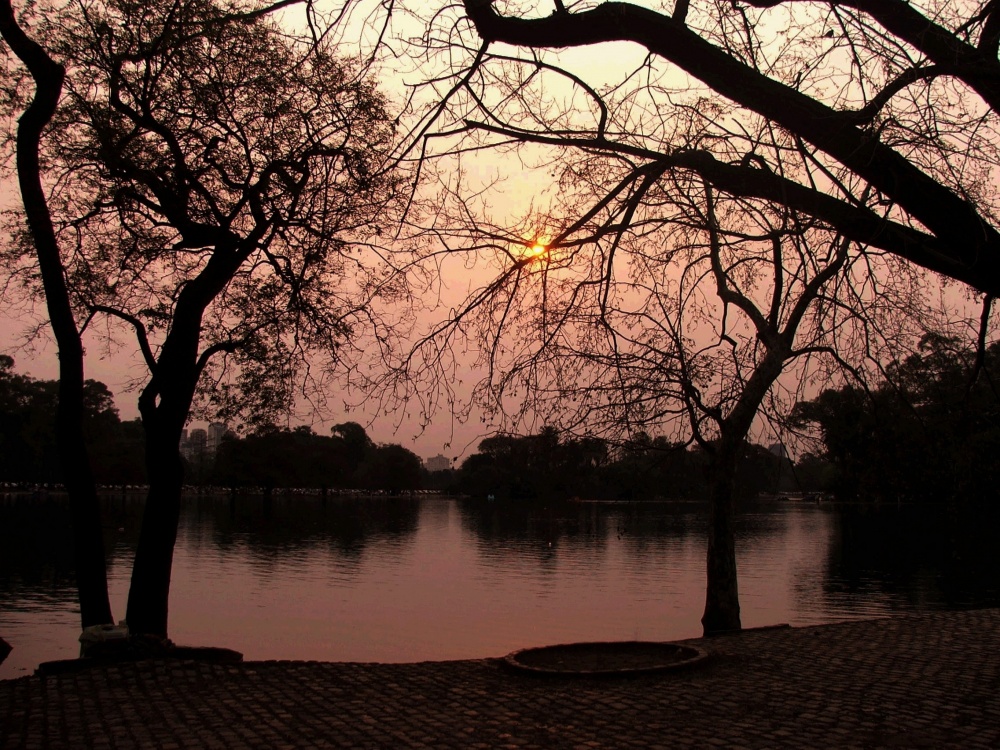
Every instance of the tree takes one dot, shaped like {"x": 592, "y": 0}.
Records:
{"x": 928, "y": 431}
{"x": 392, "y": 468}
{"x": 301, "y": 458}
{"x": 29, "y": 445}
{"x": 224, "y": 184}
{"x": 657, "y": 302}
{"x": 47, "y": 78}
{"x": 799, "y": 177}
{"x": 354, "y": 441}
{"x": 623, "y": 345}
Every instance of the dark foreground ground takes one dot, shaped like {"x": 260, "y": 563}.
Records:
{"x": 909, "y": 682}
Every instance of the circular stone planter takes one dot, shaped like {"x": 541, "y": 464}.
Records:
{"x": 606, "y": 659}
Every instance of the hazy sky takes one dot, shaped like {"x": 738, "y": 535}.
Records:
{"x": 117, "y": 369}
{"x": 121, "y": 366}
{"x": 517, "y": 193}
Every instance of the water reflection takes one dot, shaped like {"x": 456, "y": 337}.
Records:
{"x": 925, "y": 558}
{"x": 36, "y": 549}
{"x": 399, "y": 579}
{"x": 278, "y": 526}
{"x": 635, "y": 526}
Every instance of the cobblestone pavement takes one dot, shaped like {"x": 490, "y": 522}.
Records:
{"x": 925, "y": 681}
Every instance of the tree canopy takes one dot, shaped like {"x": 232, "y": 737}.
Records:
{"x": 546, "y": 466}
{"x": 220, "y": 187}
{"x": 346, "y": 459}
{"x": 929, "y": 432}
{"x": 28, "y": 445}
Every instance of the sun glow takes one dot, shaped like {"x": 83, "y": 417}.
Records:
{"x": 537, "y": 250}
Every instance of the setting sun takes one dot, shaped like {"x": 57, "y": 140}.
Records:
{"x": 537, "y": 250}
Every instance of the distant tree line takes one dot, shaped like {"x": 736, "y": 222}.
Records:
{"x": 298, "y": 457}
{"x": 270, "y": 457}
{"x": 544, "y": 466}
{"x": 28, "y": 451}
{"x": 929, "y": 432}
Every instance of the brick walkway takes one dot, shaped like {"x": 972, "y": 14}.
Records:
{"x": 909, "y": 682}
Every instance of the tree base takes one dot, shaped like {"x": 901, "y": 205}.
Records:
{"x": 138, "y": 648}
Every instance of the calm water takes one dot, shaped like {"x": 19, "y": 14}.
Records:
{"x": 435, "y": 578}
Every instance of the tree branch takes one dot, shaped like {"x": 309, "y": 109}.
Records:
{"x": 854, "y": 221}
{"x": 141, "y": 334}
{"x": 970, "y": 243}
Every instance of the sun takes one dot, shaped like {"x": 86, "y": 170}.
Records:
{"x": 537, "y": 250}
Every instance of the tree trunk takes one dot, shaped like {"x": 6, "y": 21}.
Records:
{"x": 88, "y": 536}
{"x": 149, "y": 591}
{"x": 164, "y": 406}
{"x": 722, "y": 597}
{"x": 88, "y": 541}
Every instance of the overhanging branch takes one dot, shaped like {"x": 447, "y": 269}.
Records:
{"x": 968, "y": 245}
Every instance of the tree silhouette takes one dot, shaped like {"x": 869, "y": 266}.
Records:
{"x": 223, "y": 185}
{"x": 29, "y": 441}
{"x": 47, "y": 77}
{"x": 928, "y": 432}
{"x": 702, "y": 239}
{"x": 299, "y": 457}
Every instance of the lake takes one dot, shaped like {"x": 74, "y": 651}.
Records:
{"x": 429, "y": 578}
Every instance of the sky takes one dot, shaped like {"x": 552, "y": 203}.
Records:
{"x": 121, "y": 369}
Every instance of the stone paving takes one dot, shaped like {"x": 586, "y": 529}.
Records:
{"x": 926, "y": 681}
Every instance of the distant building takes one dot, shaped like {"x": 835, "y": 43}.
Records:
{"x": 216, "y": 431}
{"x": 778, "y": 449}
{"x": 437, "y": 463}
{"x": 197, "y": 442}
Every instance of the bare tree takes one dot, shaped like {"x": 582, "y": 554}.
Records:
{"x": 47, "y": 76}
{"x": 223, "y": 186}
{"x": 676, "y": 308}
{"x": 695, "y": 251}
